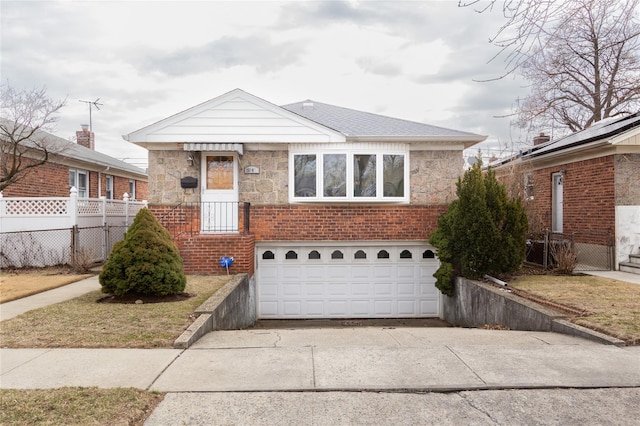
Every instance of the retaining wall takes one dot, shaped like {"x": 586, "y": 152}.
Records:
{"x": 476, "y": 304}
{"x": 232, "y": 307}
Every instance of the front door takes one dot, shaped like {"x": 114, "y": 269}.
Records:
{"x": 219, "y": 192}
{"x": 557, "y": 202}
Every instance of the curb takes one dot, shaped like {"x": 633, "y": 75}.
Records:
{"x": 565, "y": 327}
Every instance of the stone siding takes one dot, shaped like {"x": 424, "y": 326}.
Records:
{"x": 271, "y": 185}
{"x": 434, "y": 175}
{"x": 166, "y": 168}
{"x": 627, "y": 179}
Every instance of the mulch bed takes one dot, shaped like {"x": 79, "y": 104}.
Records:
{"x": 132, "y": 299}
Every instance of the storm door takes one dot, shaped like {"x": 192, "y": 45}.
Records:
{"x": 220, "y": 193}
{"x": 556, "y": 202}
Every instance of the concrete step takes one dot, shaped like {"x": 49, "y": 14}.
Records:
{"x": 634, "y": 258}
{"x": 631, "y": 267}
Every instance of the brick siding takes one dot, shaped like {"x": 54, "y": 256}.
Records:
{"x": 588, "y": 195}
{"x": 201, "y": 253}
{"x": 52, "y": 180}
{"x": 343, "y": 222}
{"x": 49, "y": 179}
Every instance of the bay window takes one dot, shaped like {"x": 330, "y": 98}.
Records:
{"x": 335, "y": 175}
{"x": 305, "y": 175}
{"x": 354, "y": 176}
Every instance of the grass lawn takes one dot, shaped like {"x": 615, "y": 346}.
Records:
{"x": 77, "y": 406}
{"x": 17, "y": 284}
{"x": 84, "y": 323}
{"x": 612, "y": 307}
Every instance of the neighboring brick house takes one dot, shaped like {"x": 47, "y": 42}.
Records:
{"x": 328, "y": 208}
{"x": 586, "y": 185}
{"x": 93, "y": 173}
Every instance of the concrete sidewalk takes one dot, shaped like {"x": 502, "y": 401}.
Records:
{"x": 343, "y": 359}
{"x": 373, "y": 358}
{"x": 361, "y": 375}
{"x": 364, "y": 375}
{"x": 495, "y": 407}
{"x": 616, "y": 275}
{"x": 12, "y": 309}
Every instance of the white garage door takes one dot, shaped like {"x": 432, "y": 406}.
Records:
{"x": 372, "y": 280}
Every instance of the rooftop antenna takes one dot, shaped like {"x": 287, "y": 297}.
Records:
{"x": 92, "y": 104}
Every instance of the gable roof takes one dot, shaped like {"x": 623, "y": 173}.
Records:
{"x": 602, "y": 132}
{"x": 81, "y": 153}
{"x": 235, "y": 117}
{"x": 239, "y": 117}
{"x": 360, "y": 124}
{"x": 78, "y": 153}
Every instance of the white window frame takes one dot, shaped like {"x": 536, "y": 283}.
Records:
{"x": 350, "y": 153}
{"x": 132, "y": 189}
{"x": 108, "y": 187}
{"x": 74, "y": 175}
{"x": 528, "y": 186}
{"x": 557, "y": 202}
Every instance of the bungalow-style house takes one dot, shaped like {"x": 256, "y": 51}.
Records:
{"x": 586, "y": 187}
{"x": 78, "y": 165}
{"x": 329, "y": 209}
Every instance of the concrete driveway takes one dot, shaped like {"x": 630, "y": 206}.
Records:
{"x": 358, "y": 375}
{"x": 408, "y": 375}
{"x": 378, "y": 358}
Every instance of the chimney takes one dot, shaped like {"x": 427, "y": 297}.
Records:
{"x": 540, "y": 139}
{"x": 85, "y": 137}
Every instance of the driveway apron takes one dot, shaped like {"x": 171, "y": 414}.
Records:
{"x": 379, "y": 358}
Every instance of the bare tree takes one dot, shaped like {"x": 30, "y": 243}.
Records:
{"x": 25, "y": 115}
{"x": 581, "y": 57}
{"x": 588, "y": 70}
{"x": 527, "y": 23}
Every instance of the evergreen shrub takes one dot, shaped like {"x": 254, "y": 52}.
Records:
{"x": 482, "y": 232}
{"x": 146, "y": 262}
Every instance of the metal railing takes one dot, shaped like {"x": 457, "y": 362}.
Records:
{"x": 186, "y": 219}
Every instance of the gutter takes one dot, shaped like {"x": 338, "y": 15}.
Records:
{"x": 567, "y": 149}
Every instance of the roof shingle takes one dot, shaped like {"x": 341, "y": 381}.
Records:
{"x": 362, "y": 124}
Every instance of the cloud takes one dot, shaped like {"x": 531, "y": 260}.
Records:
{"x": 228, "y": 51}
{"x": 410, "y": 59}
{"x": 319, "y": 13}
{"x": 379, "y": 66}
{"x": 463, "y": 31}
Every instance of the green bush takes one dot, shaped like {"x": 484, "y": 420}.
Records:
{"x": 482, "y": 232}
{"x": 146, "y": 262}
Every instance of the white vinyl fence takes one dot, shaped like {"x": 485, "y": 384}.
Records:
{"x": 36, "y": 232}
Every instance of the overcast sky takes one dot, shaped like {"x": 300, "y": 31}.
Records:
{"x": 145, "y": 61}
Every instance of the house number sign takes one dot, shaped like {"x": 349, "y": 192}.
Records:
{"x": 252, "y": 170}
